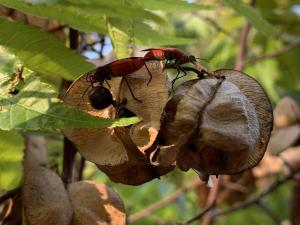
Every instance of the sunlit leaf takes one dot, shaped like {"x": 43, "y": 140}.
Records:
{"x": 36, "y": 107}
{"x": 145, "y": 35}
{"x": 170, "y": 5}
{"x": 11, "y": 154}
{"x": 85, "y": 16}
{"x": 120, "y": 39}
{"x": 254, "y": 17}
{"x": 40, "y": 51}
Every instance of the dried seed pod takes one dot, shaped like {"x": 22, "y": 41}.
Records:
{"x": 287, "y": 128}
{"x": 286, "y": 113}
{"x": 45, "y": 199}
{"x": 154, "y": 96}
{"x": 36, "y": 153}
{"x": 282, "y": 138}
{"x": 121, "y": 152}
{"x": 221, "y": 127}
{"x": 100, "y": 146}
{"x": 96, "y": 203}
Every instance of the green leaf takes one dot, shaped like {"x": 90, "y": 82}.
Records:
{"x": 145, "y": 35}
{"x": 169, "y": 5}
{"x": 11, "y": 154}
{"x": 40, "y": 51}
{"x": 69, "y": 15}
{"x": 125, "y": 33}
{"x": 36, "y": 107}
{"x": 254, "y": 17}
{"x": 120, "y": 39}
{"x": 85, "y": 16}
{"x": 116, "y": 9}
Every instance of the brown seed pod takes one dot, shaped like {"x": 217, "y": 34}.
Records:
{"x": 122, "y": 152}
{"x": 154, "y": 96}
{"x": 221, "y": 127}
{"x": 100, "y": 146}
{"x": 45, "y": 199}
{"x": 287, "y": 127}
{"x": 95, "y": 203}
{"x": 286, "y": 113}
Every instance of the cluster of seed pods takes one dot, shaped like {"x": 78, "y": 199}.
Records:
{"x": 218, "y": 123}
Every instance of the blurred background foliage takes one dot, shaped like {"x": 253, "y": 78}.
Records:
{"x": 210, "y": 30}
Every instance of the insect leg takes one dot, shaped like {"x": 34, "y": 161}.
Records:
{"x": 131, "y": 90}
{"x": 149, "y": 74}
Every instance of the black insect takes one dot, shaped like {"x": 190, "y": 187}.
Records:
{"x": 100, "y": 97}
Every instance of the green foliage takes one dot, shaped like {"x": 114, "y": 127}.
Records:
{"x": 40, "y": 51}
{"x": 11, "y": 147}
{"x": 253, "y": 17}
{"x": 36, "y": 107}
{"x": 169, "y": 5}
{"x": 210, "y": 32}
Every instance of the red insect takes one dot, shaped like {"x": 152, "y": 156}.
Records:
{"x": 118, "y": 68}
{"x": 174, "y": 58}
{"x": 169, "y": 54}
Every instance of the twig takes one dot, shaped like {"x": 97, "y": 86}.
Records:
{"x": 169, "y": 199}
{"x": 210, "y": 204}
{"x": 240, "y": 58}
{"x": 271, "y": 214}
{"x": 197, "y": 217}
{"x": 69, "y": 149}
{"x": 256, "y": 199}
{"x": 57, "y": 28}
{"x": 211, "y": 200}
{"x": 74, "y": 38}
{"x": 68, "y": 161}
{"x": 272, "y": 55}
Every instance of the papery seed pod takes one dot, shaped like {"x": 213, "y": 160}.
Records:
{"x": 154, "y": 96}
{"x": 100, "y": 146}
{"x": 45, "y": 199}
{"x": 221, "y": 127}
{"x": 286, "y": 132}
{"x": 137, "y": 170}
{"x": 96, "y": 203}
{"x": 122, "y": 152}
{"x": 286, "y": 113}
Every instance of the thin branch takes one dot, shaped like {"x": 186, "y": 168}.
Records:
{"x": 269, "y": 212}
{"x": 210, "y": 204}
{"x": 240, "y": 58}
{"x": 68, "y": 161}
{"x": 272, "y": 55}
{"x": 211, "y": 200}
{"x": 197, "y": 217}
{"x": 169, "y": 199}
{"x": 256, "y": 199}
